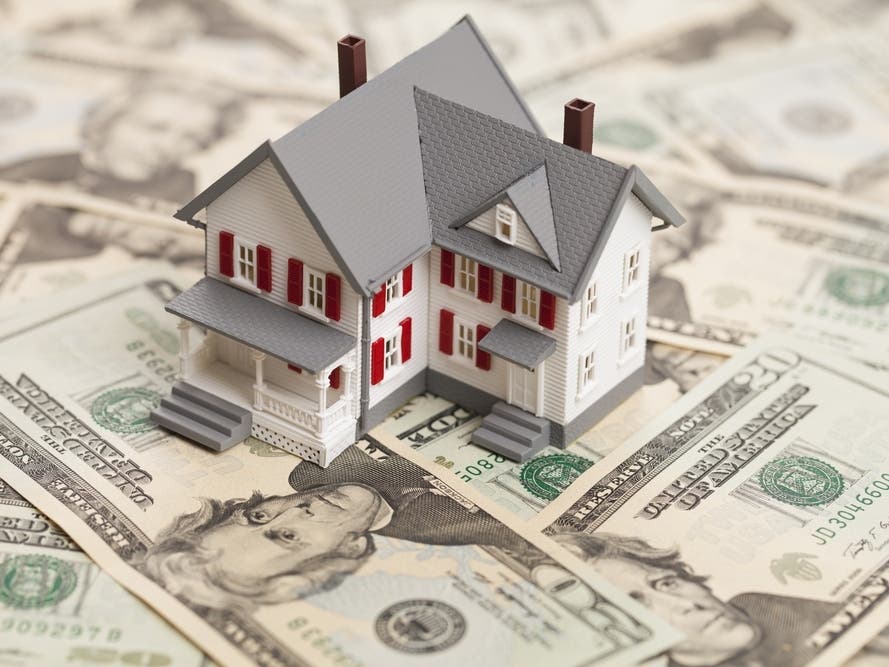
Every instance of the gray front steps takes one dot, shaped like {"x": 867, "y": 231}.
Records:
{"x": 203, "y": 417}
{"x": 512, "y": 432}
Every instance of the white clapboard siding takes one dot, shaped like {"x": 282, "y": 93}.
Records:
{"x": 473, "y": 311}
{"x": 524, "y": 238}
{"x": 261, "y": 209}
{"x": 602, "y": 332}
{"x": 386, "y": 325}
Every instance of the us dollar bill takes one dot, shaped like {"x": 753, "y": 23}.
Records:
{"x": 755, "y": 257}
{"x": 57, "y": 607}
{"x": 753, "y": 515}
{"x": 440, "y": 431}
{"x": 259, "y": 557}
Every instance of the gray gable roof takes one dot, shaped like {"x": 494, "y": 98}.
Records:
{"x": 532, "y": 200}
{"x": 355, "y": 167}
{"x": 470, "y": 159}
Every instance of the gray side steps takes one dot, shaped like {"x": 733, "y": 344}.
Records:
{"x": 203, "y": 417}
{"x": 512, "y": 432}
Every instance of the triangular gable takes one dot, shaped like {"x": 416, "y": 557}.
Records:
{"x": 531, "y": 197}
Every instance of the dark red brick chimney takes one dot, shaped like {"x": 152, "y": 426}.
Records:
{"x": 353, "y": 63}
{"x": 579, "y": 125}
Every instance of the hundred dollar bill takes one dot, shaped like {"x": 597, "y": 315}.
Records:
{"x": 753, "y": 515}
{"x": 57, "y": 607}
{"x": 259, "y": 557}
{"x": 440, "y": 431}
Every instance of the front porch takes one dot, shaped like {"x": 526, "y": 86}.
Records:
{"x": 293, "y": 376}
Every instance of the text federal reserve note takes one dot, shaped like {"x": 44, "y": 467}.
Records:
{"x": 262, "y": 558}
{"x": 753, "y": 515}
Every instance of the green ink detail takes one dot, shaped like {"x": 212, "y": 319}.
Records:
{"x": 801, "y": 480}
{"x": 264, "y": 449}
{"x": 28, "y": 582}
{"x": 126, "y": 410}
{"x": 547, "y": 476}
{"x": 628, "y": 133}
{"x": 858, "y": 287}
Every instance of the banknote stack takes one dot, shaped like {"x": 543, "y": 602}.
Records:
{"x": 735, "y": 511}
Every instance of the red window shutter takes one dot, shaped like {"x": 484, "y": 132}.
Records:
{"x": 446, "y": 331}
{"x": 295, "y": 369}
{"x": 334, "y": 378}
{"x": 507, "y": 294}
{"x": 547, "y": 310}
{"x": 295, "y": 281}
{"x": 376, "y": 360}
{"x": 379, "y": 306}
{"x": 482, "y": 358}
{"x": 332, "y": 296}
{"x": 407, "y": 279}
{"x": 227, "y": 254}
{"x": 405, "y": 325}
{"x": 264, "y": 268}
{"x": 447, "y": 268}
{"x": 485, "y": 283}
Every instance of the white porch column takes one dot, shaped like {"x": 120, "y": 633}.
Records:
{"x": 321, "y": 382}
{"x": 184, "y": 327}
{"x": 540, "y": 384}
{"x": 259, "y": 385}
{"x": 348, "y": 369}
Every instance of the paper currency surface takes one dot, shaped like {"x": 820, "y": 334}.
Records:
{"x": 752, "y": 514}
{"x": 57, "y": 607}
{"x": 260, "y": 558}
{"x": 440, "y": 431}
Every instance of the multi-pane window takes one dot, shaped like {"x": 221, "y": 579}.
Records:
{"x": 466, "y": 341}
{"x": 631, "y": 268}
{"x": 246, "y": 263}
{"x": 468, "y": 270}
{"x": 315, "y": 289}
{"x": 505, "y": 224}
{"x": 529, "y": 301}
{"x": 587, "y": 371}
{"x": 392, "y": 352}
{"x": 627, "y": 336}
{"x": 393, "y": 287}
{"x": 590, "y": 301}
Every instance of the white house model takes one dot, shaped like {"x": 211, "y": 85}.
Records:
{"x": 419, "y": 234}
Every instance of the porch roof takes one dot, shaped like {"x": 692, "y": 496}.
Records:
{"x": 262, "y": 325}
{"x": 520, "y": 345}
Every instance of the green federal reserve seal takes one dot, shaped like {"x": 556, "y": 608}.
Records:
{"x": 801, "y": 480}
{"x": 28, "y": 582}
{"x": 858, "y": 287}
{"x": 547, "y": 476}
{"x": 125, "y": 410}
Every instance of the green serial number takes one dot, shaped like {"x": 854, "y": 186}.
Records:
{"x": 849, "y": 512}
{"x": 478, "y": 468}
{"x": 24, "y": 626}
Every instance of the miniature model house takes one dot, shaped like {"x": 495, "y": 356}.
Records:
{"x": 419, "y": 234}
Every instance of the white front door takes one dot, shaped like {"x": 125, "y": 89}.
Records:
{"x": 523, "y": 392}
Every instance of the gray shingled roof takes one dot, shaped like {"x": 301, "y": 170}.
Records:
{"x": 532, "y": 200}
{"x": 284, "y": 334}
{"x": 521, "y": 345}
{"x": 357, "y": 163}
{"x": 469, "y": 157}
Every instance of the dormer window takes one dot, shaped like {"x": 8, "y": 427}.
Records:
{"x": 505, "y": 220}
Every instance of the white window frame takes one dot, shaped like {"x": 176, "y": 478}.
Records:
{"x": 526, "y": 304}
{"x": 586, "y": 372}
{"x": 467, "y": 275}
{"x": 632, "y": 269}
{"x": 590, "y": 306}
{"x": 318, "y": 289}
{"x": 394, "y": 288}
{"x": 243, "y": 263}
{"x": 505, "y": 215}
{"x": 392, "y": 353}
{"x": 462, "y": 343}
{"x": 628, "y": 338}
